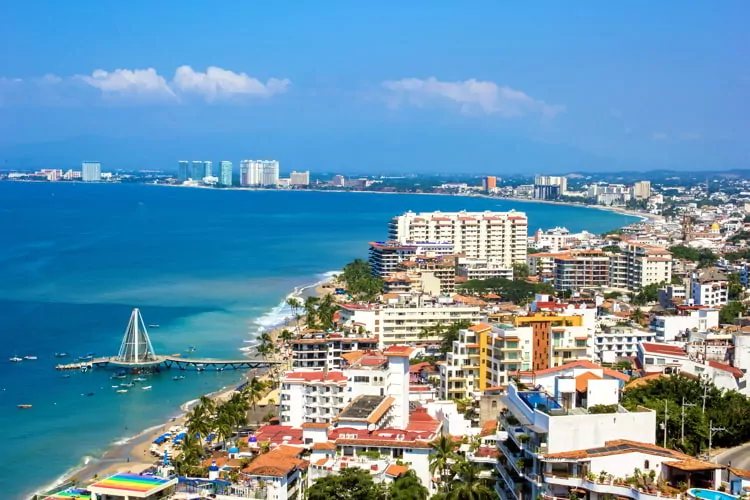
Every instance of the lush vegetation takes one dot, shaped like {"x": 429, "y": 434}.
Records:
{"x": 647, "y": 294}
{"x": 357, "y": 484}
{"x": 446, "y": 464}
{"x": 742, "y": 254}
{"x": 223, "y": 420}
{"x": 703, "y": 257}
{"x": 520, "y": 270}
{"x": 740, "y": 236}
{"x": 612, "y": 248}
{"x": 728, "y": 409}
{"x": 448, "y": 333}
{"x": 516, "y": 291}
{"x": 731, "y": 311}
{"x": 319, "y": 311}
{"x": 360, "y": 282}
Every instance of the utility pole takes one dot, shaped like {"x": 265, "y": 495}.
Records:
{"x": 682, "y": 427}
{"x": 666, "y": 419}
{"x": 705, "y": 396}
{"x": 711, "y": 430}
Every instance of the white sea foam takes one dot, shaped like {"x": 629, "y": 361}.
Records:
{"x": 282, "y": 313}
{"x": 67, "y": 474}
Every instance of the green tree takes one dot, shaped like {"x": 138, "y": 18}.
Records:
{"x": 612, "y": 248}
{"x": 296, "y": 306}
{"x": 442, "y": 456}
{"x": 703, "y": 257}
{"x": 520, "y": 270}
{"x": 360, "y": 281}
{"x": 735, "y": 287}
{"x": 349, "y": 484}
{"x": 408, "y": 487}
{"x": 286, "y": 336}
{"x": 647, "y": 294}
{"x": 731, "y": 311}
{"x": 637, "y": 315}
{"x": 469, "y": 486}
{"x": 310, "y": 307}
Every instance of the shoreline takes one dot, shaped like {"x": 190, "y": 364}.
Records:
{"x": 128, "y": 454}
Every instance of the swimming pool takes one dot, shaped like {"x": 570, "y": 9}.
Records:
{"x": 698, "y": 493}
{"x": 535, "y": 399}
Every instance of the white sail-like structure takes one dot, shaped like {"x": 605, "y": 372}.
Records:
{"x": 136, "y": 346}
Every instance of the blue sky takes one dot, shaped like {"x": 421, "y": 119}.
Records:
{"x": 486, "y": 87}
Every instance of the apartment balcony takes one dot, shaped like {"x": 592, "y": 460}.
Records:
{"x": 510, "y": 485}
{"x": 512, "y": 458}
{"x": 606, "y": 488}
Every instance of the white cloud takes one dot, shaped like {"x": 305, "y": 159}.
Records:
{"x": 221, "y": 83}
{"x": 660, "y": 136}
{"x": 128, "y": 82}
{"x": 471, "y": 95}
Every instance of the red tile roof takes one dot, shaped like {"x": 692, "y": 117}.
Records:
{"x": 278, "y": 434}
{"x": 398, "y": 350}
{"x": 664, "y": 349}
{"x": 582, "y": 381}
{"x": 575, "y": 364}
{"x": 332, "y": 376}
{"x": 395, "y": 470}
{"x": 609, "y": 372}
{"x": 727, "y": 368}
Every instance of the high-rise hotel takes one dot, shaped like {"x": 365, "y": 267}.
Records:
{"x": 259, "y": 173}
{"x": 91, "y": 171}
{"x": 225, "y": 173}
{"x": 499, "y": 237}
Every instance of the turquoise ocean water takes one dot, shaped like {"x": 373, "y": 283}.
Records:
{"x": 211, "y": 267}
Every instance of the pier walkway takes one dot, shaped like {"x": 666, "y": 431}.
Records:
{"x": 198, "y": 364}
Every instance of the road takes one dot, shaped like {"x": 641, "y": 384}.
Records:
{"x": 739, "y": 457}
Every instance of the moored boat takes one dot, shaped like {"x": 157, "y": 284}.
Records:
{"x": 30, "y": 358}
{"x": 16, "y": 359}
{"x": 122, "y": 391}
{"x": 154, "y": 326}
{"x": 180, "y": 377}
{"x": 61, "y": 354}
{"x": 24, "y": 407}
{"x": 146, "y": 388}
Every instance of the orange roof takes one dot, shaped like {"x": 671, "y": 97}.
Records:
{"x": 618, "y": 447}
{"x": 692, "y": 465}
{"x": 583, "y": 363}
{"x": 727, "y": 368}
{"x": 582, "y": 381}
{"x": 380, "y": 410}
{"x": 609, "y": 372}
{"x": 398, "y": 350}
{"x": 387, "y": 443}
{"x": 327, "y": 446}
{"x": 275, "y": 464}
{"x": 480, "y": 327}
{"x": 395, "y": 470}
{"x": 353, "y": 357}
{"x": 315, "y": 425}
{"x": 489, "y": 428}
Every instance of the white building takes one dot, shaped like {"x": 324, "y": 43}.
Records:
{"x": 403, "y": 323}
{"x": 496, "y": 236}
{"x": 482, "y": 269}
{"x": 259, "y": 173}
{"x": 620, "y": 342}
{"x": 318, "y": 350}
{"x": 555, "y": 239}
{"x": 668, "y": 328}
{"x": 640, "y": 265}
{"x": 542, "y": 423}
{"x": 91, "y": 171}
{"x": 386, "y": 256}
{"x": 299, "y": 178}
{"x": 710, "y": 288}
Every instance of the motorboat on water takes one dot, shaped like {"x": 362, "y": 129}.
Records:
{"x": 24, "y": 407}
{"x": 61, "y": 354}
{"x": 191, "y": 349}
{"x": 127, "y": 384}
{"x": 67, "y": 375}
{"x": 139, "y": 379}
{"x": 121, "y": 391}
{"x": 178, "y": 377}
{"x": 154, "y": 326}
{"x": 30, "y": 358}
{"x": 115, "y": 387}
{"x": 16, "y": 359}
{"x": 146, "y": 388}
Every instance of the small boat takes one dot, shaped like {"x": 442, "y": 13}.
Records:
{"x": 115, "y": 387}
{"x": 122, "y": 391}
{"x": 139, "y": 379}
{"x": 30, "y": 358}
{"x": 191, "y": 349}
{"x": 67, "y": 375}
{"x": 61, "y": 354}
{"x": 90, "y": 394}
{"x": 146, "y": 388}
{"x": 180, "y": 377}
{"x": 16, "y": 359}
{"x": 154, "y": 326}
{"x": 127, "y": 384}
{"x": 24, "y": 407}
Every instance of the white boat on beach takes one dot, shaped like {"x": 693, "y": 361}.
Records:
{"x": 146, "y": 388}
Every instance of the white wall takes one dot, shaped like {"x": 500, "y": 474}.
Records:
{"x": 579, "y": 432}
{"x": 603, "y": 392}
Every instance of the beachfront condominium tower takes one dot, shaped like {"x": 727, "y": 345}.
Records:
{"x": 499, "y": 237}
{"x": 91, "y": 171}
{"x": 225, "y": 173}
{"x": 196, "y": 170}
{"x": 207, "y": 169}
{"x": 183, "y": 170}
{"x": 299, "y": 178}
{"x": 259, "y": 173}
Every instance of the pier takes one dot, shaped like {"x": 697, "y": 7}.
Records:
{"x": 137, "y": 354}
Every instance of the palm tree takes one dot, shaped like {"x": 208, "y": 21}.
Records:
{"x": 326, "y": 309}
{"x": 311, "y": 311}
{"x": 265, "y": 338}
{"x": 208, "y": 404}
{"x": 254, "y": 391}
{"x": 264, "y": 350}
{"x": 442, "y": 455}
{"x": 224, "y": 424}
{"x": 199, "y": 423}
{"x": 191, "y": 449}
{"x": 295, "y": 305}
{"x": 637, "y": 315}
{"x": 470, "y": 486}
{"x": 286, "y": 336}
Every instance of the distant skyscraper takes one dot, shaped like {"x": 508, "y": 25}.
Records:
{"x": 197, "y": 170}
{"x": 642, "y": 190}
{"x": 207, "y": 169}
{"x": 338, "y": 180}
{"x": 225, "y": 173}
{"x": 259, "y": 173}
{"x": 299, "y": 178}
{"x": 183, "y": 170}
{"x": 91, "y": 171}
{"x": 489, "y": 182}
